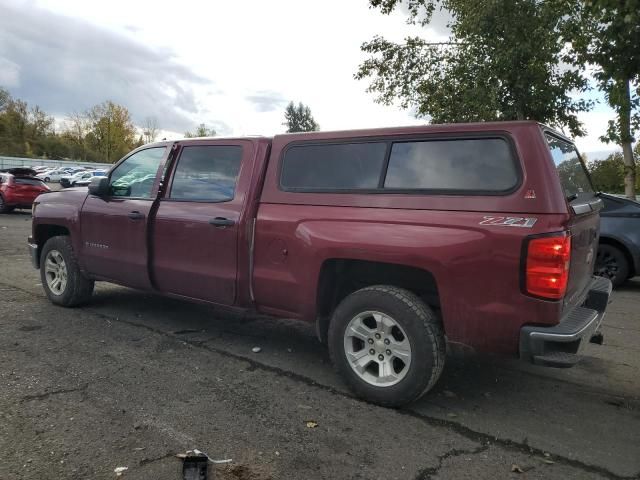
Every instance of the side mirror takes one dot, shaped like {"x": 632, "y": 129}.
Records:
{"x": 99, "y": 186}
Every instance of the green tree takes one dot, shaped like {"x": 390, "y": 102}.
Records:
{"x": 606, "y": 35}
{"x": 23, "y": 130}
{"x": 503, "y": 61}
{"x": 299, "y": 119}
{"x": 75, "y": 135}
{"x": 608, "y": 175}
{"x": 201, "y": 131}
{"x": 150, "y": 129}
{"x": 111, "y": 132}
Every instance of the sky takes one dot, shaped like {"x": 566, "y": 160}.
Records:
{"x": 231, "y": 65}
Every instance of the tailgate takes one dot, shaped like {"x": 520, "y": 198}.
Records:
{"x": 584, "y": 230}
{"x": 584, "y": 206}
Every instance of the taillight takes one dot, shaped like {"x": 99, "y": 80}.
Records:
{"x": 546, "y": 268}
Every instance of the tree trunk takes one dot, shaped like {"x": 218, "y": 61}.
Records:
{"x": 626, "y": 139}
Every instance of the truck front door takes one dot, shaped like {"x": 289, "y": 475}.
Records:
{"x": 195, "y": 229}
{"x": 115, "y": 227}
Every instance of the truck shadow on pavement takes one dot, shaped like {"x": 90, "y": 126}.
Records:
{"x": 578, "y": 413}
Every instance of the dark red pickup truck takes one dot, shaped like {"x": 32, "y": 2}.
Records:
{"x": 396, "y": 242}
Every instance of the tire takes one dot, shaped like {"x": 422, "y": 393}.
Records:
{"x": 612, "y": 263}
{"x": 392, "y": 318}
{"x": 4, "y": 208}
{"x": 47, "y": 180}
{"x": 75, "y": 289}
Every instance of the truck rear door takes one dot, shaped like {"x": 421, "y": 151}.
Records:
{"x": 196, "y": 227}
{"x": 584, "y": 206}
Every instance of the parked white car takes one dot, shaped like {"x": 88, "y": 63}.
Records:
{"x": 72, "y": 180}
{"x": 53, "y": 175}
{"x": 86, "y": 181}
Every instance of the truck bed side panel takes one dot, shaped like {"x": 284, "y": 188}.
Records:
{"x": 473, "y": 264}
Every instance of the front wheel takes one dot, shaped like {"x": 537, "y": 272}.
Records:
{"x": 62, "y": 279}
{"x": 47, "y": 180}
{"x": 612, "y": 263}
{"x": 387, "y": 344}
{"x": 4, "y": 208}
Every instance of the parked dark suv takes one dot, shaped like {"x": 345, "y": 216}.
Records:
{"x": 619, "y": 250}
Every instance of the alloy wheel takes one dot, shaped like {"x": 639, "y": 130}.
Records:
{"x": 55, "y": 270}
{"x": 377, "y": 348}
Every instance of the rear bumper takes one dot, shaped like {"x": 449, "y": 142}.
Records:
{"x": 34, "y": 253}
{"x": 559, "y": 346}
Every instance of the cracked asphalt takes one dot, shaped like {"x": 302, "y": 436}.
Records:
{"x": 133, "y": 379}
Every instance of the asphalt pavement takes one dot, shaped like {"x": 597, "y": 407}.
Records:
{"x": 133, "y": 379}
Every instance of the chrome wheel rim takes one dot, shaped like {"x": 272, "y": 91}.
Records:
{"x": 377, "y": 348}
{"x": 55, "y": 272}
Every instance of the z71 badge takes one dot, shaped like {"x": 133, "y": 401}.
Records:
{"x": 523, "y": 222}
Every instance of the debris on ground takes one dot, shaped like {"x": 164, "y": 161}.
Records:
{"x": 195, "y": 453}
{"x": 120, "y": 470}
{"x": 311, "y": 424}
{"x": 256, "y": 349}
{"x": 516, "y": 468}
{"x": 195, "y": 465}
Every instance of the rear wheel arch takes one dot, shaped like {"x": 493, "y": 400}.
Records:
{"x": 339, "y": 277}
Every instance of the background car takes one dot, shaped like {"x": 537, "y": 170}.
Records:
{"x": 619, "y": 250}
{"x": 53, "y": 175}
{"x": 86, "y": 181}
{"x": 72, "y": 180}
{"x": 19, "y": 188}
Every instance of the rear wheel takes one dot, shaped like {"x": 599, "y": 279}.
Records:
{"x": 612, "y": 263}
{"x": 47, "y": 180}
{"x": 62, "y": 279}
{"x": 387, "y": 344}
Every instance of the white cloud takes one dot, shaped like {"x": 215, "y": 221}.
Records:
{"x": 9, "y": 73}
{"x": 230, "y": 65}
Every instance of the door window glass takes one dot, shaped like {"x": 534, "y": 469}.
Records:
{"x": 135, "y": 176}
{"x": 206, "y": 173}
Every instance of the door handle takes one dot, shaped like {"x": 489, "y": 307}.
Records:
{"x": 135, "y": 215}
{"x": 222, "y": 222}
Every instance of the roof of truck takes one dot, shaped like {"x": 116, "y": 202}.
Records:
{"x": 371, "y": 132}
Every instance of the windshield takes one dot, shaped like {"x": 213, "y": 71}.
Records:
{"x": 570, "y": 167}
